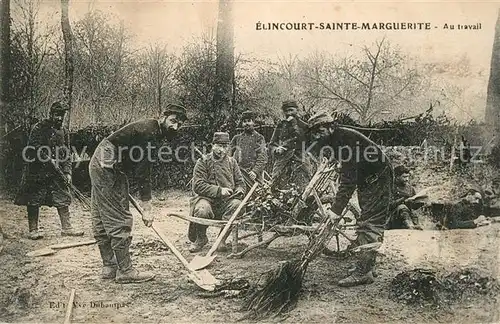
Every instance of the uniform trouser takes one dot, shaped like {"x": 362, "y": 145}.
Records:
{"x": 400, "y": 216}
{"x": 111, "y": 218}
{"x": 217, "y": 209}
{"x": 34, "y": 212}
{"x": 374, "y": 200}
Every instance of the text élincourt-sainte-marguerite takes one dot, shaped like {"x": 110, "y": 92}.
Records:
{"x": 343, "y": 26}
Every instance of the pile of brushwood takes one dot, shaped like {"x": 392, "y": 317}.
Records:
{"x": 423, "y": 287}
{"x": 272, "y": 207}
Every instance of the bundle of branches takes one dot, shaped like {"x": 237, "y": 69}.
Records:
{"x": 273, "y": 206}
{"x": 281, "y": 290}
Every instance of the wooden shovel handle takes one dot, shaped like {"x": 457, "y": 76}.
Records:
{"x": 164, "y": 239}
{"x": 231, "y": 220}
{"x": 172, "y": 248}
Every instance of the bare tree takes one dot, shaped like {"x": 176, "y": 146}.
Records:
{"x": 493, "y": 95}
{"x": 223, "y": 99}
{"x": 35, "y": 77}
{"x": 69, "y": 59}
{"x": 370, "y": 86}
{"x": 101, "y": 57}
{"x": 158, "y": 77}
{"x": 196, "y": 79}
{"x": 4, "y": 84}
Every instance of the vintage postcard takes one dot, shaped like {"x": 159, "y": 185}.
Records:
{"x": 249, "y": 161}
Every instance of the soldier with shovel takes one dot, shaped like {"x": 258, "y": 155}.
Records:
{"x": 365, "y": 168}
{"x": 109, "y": 168}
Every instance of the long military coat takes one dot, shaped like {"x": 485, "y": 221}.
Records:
{"x": 42, "y": 184}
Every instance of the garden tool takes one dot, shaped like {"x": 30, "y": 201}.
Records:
{"x": 200, "y": 262}
{"x": 203, "y": 278}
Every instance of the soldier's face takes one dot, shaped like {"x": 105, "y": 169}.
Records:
{"x": 172, "y": 123}
{"x": 57, "y": 118}
{"x": 248, "y": 124}
{"x": 405, "y": 177}
{"x": 473, "y": 198}
{"x": 220, "y": 150}
{"x": 320, "y": 132}
{"x": 290, "y": 111}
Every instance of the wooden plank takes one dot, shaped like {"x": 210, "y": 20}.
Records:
{"x": 203, "y": 221}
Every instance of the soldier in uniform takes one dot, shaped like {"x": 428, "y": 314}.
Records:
{"x": 116, "y": 157}
{"x": 249, "y": 148}
{"x": 402, "y": 216}
{"x": 218, "y": 186}
{"x": 47, "y": 172}
{"x": 290, "y": 165}
{"x": 363, "y": 167}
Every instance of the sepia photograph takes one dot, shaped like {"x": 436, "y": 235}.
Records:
{"x": 224, "y": 161}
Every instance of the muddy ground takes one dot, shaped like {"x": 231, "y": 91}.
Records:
{"x": 36, "y": 289}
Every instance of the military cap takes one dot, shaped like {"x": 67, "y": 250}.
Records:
{"x": 220, "y": 138}
{"x": 319, "y": 119}
{"x": 175, "y": 109}
{"x": 57, "y": 106}
{"x": 247, "y": 114}
{"x": 289, "y": 104}
{"x": 401, "y": 169}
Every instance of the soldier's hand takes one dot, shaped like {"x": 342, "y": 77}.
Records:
{"x": 333, "y": 216}
{"x": 252, "y": 175}
{"x": 239, "y": 192}
{"x": 226, "y": 192}
{"x": 68, "y": 178}
{"x": 147, "y": 216}
{"x": 279, "y": 150}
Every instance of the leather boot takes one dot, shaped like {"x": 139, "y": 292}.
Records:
{"x": 223, "y": 245}
{"x": 351, "y": 270}
{"x": 407, "y": 221}
{"x": 201, "y": 239}
{"x": 33, "y": 214}
{"x": 362, "y": 274}
{"x": 126, "y": 273}
{"x": 66, "y": 228}
{"x": 192, "y": 232}
{"x": 109, "y": 264}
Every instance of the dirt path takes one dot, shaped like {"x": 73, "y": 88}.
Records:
{"x": 35, "y": 289}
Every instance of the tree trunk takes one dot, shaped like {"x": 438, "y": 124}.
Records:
{"x": 492, "y": 113}
{"x": 4, "y": 81}
{"x": 223, "y": 97}
{"x": 68, "y": 62}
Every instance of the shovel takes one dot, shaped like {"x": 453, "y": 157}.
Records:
{"x": 204, "y": 279}
{"x": 200, "y": 262}
{"x": 52, "y": 249}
